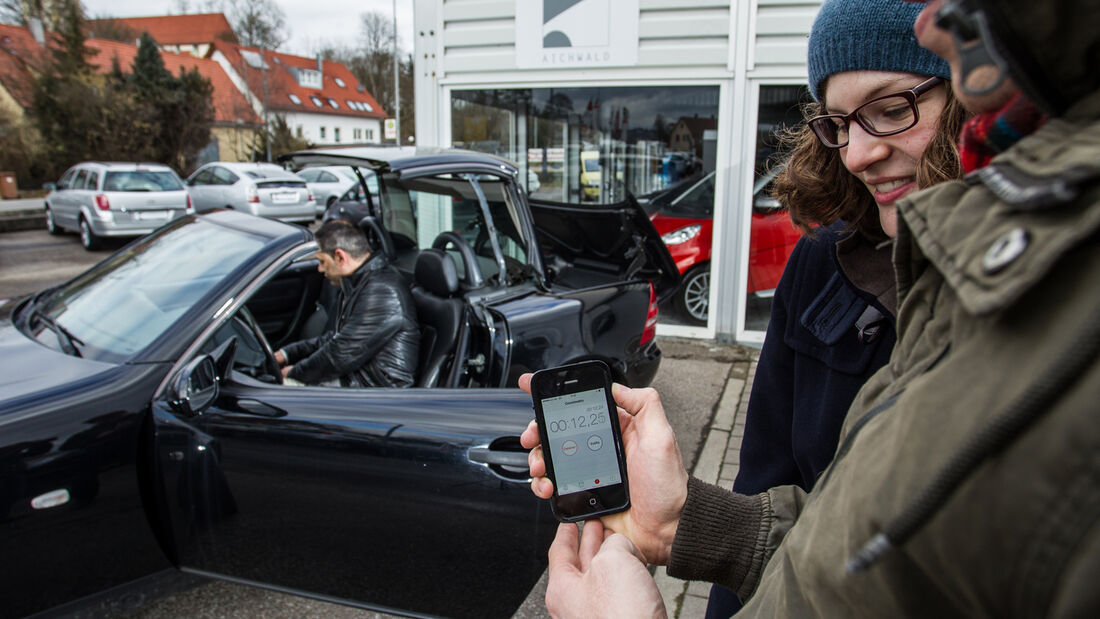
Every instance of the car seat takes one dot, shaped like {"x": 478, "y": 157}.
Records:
{"x": 442, "y": 316}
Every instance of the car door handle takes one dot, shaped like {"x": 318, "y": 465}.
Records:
{"x": 486, "y": 455}
{"x": 256, "y": 407}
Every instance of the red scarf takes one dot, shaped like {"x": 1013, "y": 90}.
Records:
{"x": 986, "y": 135}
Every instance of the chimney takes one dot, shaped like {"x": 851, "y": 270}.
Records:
{"x": 34, "y": 24}
{"x": 320, "y": 66}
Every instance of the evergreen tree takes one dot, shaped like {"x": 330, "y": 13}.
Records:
{"x": 72, "y": 56}
{"x": 148, "y": 75}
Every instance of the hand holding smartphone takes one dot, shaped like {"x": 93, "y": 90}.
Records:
{"x": 581, "y": 440}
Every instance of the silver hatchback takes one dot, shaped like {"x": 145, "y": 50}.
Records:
{"x": 262, "y": 189}
{"x": 101, "y": 199}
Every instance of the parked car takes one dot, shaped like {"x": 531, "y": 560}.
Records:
{"x": 590, "y": 174}
{"x": 147, "y": 427}
{"x": 328, "y": 183}
{"x": 684, "y": 215}
{"x": 262, "y": 189}
{"x": 111, "y": 199}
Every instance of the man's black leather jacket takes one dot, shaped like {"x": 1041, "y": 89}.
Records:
{"x": 376, "y": 341}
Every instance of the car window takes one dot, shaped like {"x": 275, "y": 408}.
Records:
{"x": 141, "y": 180}
{"x": 81, "y": 178}
{"x": 697, "y": 201}
{"x": 66, "y": 180}
{"x": 93, "y": 180}
{"x": 223, "y": 176}
{"x": 326, "y": 177}
{"x": 420, "y": 209}
{"x": 202, "y": 177}
{"x": 117, "y": 309}
{"x": 309, "y": 175}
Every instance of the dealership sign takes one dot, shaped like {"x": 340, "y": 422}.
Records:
{"x": 561, "y": 34}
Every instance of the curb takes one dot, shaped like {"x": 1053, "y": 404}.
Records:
{"x": 30, "y": 219}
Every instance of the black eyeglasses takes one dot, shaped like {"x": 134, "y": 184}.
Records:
{"x": 886, "y": 115}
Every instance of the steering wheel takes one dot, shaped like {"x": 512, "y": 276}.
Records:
{"x": 474, "y": 278}
{"x": 271, "y": 367}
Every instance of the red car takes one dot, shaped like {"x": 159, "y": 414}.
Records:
{"x": 684, "y": 217}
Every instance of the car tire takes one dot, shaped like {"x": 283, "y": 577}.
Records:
{"x": 693, "y": 296}
{"x": 88, "y": 236}
{"x": 51, "y": 224}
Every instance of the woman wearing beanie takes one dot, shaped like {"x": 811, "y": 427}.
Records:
{"x": 883, "y": 124}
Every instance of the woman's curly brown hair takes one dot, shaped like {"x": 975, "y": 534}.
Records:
{"x": 817, "y": 189}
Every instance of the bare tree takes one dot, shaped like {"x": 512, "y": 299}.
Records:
{"x": 372, "y": 64}
{"x": 258, "y": 23}
{"x": 49, "y": 12}
{"x": 11, "y": 12}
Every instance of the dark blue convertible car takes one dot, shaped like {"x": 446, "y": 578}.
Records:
{"x": 144, "y": 426}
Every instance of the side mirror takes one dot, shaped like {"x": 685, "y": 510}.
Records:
{"x": 766, "y": 204}
{"x": 49, "y": 186}
{"x": 196, "y": 386}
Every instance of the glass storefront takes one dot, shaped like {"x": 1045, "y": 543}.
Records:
{"x": 772, "y": 236}
{"x": 657, "y": 143}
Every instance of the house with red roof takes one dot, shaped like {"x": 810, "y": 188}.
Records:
{"x": 320, "y": 100}
{"x": 20, "y": 57}
{"x": 181, "y": 34}
{"x": 235, "y": 120}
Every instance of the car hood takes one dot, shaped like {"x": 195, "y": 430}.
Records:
{"x": 27, "y": 367}
{"x": 616, "y": 234}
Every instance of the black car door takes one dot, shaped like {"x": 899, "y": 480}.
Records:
{"x": 413, "y": 500}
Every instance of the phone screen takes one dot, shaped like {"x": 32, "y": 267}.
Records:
{"x": 578, "y": 429}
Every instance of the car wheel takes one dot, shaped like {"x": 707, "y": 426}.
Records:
{"x": 51, "y": 225}
{"x": 693, "y": 297}
{"x": 88, "y": 237}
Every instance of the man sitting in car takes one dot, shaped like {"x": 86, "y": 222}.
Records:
{"x": 376, "y": 340}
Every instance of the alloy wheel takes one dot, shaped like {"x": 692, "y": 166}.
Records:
{"x": 696, "y": 295}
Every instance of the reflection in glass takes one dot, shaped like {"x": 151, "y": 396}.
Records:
{"x": 772, "y": 236}
{"x": 596, "y": 145}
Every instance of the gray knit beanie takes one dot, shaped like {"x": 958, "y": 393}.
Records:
{"x": 868, "y": 35}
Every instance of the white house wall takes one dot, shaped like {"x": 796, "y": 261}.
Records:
{"x": 736, "y": 45}
{"x": 311, "y": 124}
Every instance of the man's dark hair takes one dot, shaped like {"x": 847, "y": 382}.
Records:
{"x": 339, "y": 234}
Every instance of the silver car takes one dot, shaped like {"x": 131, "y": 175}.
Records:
{"x": 262, "y": 189}
{"x": 328, "y": 183}
{"x": 99, "y": 199}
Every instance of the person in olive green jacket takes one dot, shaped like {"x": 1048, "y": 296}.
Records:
{"x": 967, "y": 479}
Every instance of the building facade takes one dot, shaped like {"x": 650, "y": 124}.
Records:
{"x": 604, "y": 97}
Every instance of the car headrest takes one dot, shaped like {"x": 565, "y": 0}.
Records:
{"x": 436, "y": 272}
{"x": 377, "y": 236}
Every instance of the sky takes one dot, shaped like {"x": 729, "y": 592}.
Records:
{"x": 312, "y": 25}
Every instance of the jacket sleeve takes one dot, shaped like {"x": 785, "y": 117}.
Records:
{"x": 301, "y": 349}
{"x": 371, "y": 322}
{"x": 727, "y": 538}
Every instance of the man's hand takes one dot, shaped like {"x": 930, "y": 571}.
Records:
{"x": 280, "y": 358}
{"x": 604, "y": 577}
{"x": 654, "y": 469}
{"x": 286, "y": 370}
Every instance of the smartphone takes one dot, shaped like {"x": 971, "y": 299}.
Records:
{"x": 582, "y": 443}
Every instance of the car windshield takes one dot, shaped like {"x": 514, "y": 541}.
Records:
{"x": 114, "y": 311}
{"x": 141, "y": 180}
{"x": 695, "y": 201}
